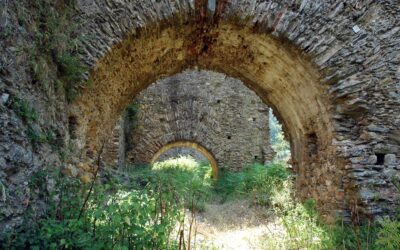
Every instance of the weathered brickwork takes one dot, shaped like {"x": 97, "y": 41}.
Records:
{"x": 114, "y": 151}
{"x": 330, "y": 69}
{"x": 216, "y": 111}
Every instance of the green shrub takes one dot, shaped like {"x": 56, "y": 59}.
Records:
{"x": 256, "y": 181}
{"x": 113, "y": 218}
{"x": 29, "y": 116}
{"x": 229, "y": 184}
{"x": 189, "y": 181}
{"x": 40, "y": 69}
{"x": 144, "y": 212}
{"x": 389, "y": 235}
{"x": 23, "y": 110}
{"x": 262, "y": 180}
{"x": 57, "y": 43}
{"x": 72, "y": 72}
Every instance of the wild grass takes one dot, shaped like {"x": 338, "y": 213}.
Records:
{"x": 24, "y": 110}
{"x": 271, "y": 187}
{"x": 189, "y": 181}
{"x": 256, "y": 182}
{"x": 144, "y": 208}
{"x": 113, "y": 216}
{"x": 53, "y": 54}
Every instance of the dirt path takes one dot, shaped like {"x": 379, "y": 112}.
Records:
{"x": 235, "y": 225}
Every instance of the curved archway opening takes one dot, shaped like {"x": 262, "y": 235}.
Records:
{"x": 189, "y": 144}
{"x": 329, "y": 70}
{"x": 283, "y": 78}
{"x": 224, "y": 115}
{"x": 183, "y": 152}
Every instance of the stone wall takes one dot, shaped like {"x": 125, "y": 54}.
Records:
{"x": 113, "y": 154}
{"x": 330, "y": 69}
{"x": 33, "y": 117}
{"x": 209, "y": 108}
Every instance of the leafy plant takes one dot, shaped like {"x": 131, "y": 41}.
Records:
{"x": 113, "y": 219}
{"x": 256, "y": 181}
{"x": 277, "y": 139}
{"x": 23, "y": 110}
{"x": 389, "y": 235}
{"x": 56, "y": 43}
{"x": 142, "y": 207}
{"x": 182, "y": 176}
{"x": 72, "y": 72}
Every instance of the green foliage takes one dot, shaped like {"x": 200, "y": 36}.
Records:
{"x": 131, "y": 113}
{"x": 389, "y": 235}
{"x": 256, "y": 181}
{"x": 71, "y": 73}
{"x": 229, "y": 184}
{"x": 56, "y": 43}
{"x": 188, "y": 181}
{"x": 6, "y": 32}
{"x": 262, "y": 180}
{"x": 139, "y": 220}
{"x": 60, "y": 218}
{"x": 29, "y": 116}
{"x": 347, "y": 236}
{"x": 113, "y": 218}
{"x": 38, "y": 180}
{"x": 132, "y": 110}
{"x": 305, "y": 230}
{"x": 277, "y": 139}
{"x": 24, "y": 111}
{"x": 145, "y": 211}
{"x": 302, "y": 225}
{"x": 40, "y": 69}
{"x": 35, "y": 136}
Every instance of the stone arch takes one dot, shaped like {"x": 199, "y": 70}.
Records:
{"x": 306, "y": 59}
{"x": 227, "y": 118}
{"x": 276, "y": 72}
{"x": 189, "y": 144}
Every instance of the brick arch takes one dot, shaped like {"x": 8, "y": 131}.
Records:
{"x": 278, "y": 73}
{"x": 310, "y": 60}
{"x": 227, "y": 118}
{"x": 189, "y": 144}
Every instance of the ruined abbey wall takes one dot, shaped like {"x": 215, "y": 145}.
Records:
{"x": 216, "y": 111}
{"x": 329, "y": 69}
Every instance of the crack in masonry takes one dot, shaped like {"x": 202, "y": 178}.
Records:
{"x": 202, "y": 38}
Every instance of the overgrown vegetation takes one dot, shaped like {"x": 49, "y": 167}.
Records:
{"x": 277, "y": 139}
{"x": 144, "y": 208}
{"x": 271, "y": 187}
{"x": 56, "y": 44}
{"x": 29, "y": 116}
{"x": 256, "y": 182}
{"x": 114, "y": 217}
{"x": 189, "y": 181}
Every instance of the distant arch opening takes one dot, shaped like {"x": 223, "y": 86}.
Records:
{"x": 189, "y": 144}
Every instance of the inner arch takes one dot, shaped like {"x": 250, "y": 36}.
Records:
{"x": 189, "y": 144}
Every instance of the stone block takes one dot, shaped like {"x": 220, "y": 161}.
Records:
{"x": 390, "y": 159}
{"x": 4, "y": 98}
{"x": 372, "y": 159}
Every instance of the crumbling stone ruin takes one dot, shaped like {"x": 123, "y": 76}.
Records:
{"x": 329, "y": 69}
{"x": 208, "y": 108}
